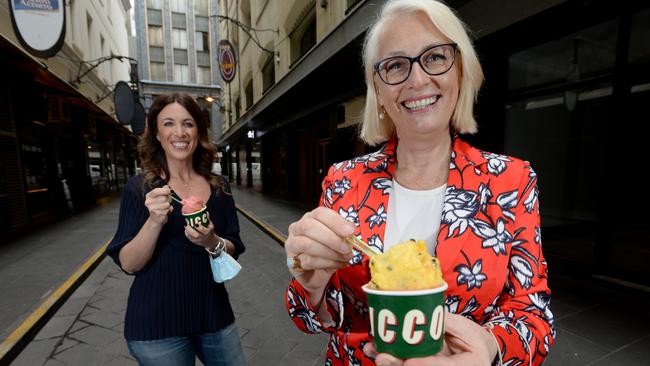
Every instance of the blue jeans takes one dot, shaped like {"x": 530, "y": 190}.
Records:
{"x": 221, "y": 348}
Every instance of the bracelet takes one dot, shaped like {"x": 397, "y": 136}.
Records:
{"x": 216, "y": 252}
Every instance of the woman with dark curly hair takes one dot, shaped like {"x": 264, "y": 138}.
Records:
{"x": 176, "y": 311}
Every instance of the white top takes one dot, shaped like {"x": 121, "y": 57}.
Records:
{"x": 414, "y": 215}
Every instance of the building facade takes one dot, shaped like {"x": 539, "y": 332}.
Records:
{"x": 60, "y": 146}
{"x": 176, "y": 48}
{"x": 566, "y": 85}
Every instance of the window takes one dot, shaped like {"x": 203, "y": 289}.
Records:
{"x": 202, "y": 41}
{"x": 268, "y": 75}
{"x": 303, "y": 38}
{"x": 154, "y": 4}
{"x": 154, "y": 17}
{"x": 201, "y": 24}
{"x": 203, "y": 75}
{"x": 568, "y": 59}
{"x": 156, "y": 54}
{"x": 237, "y": 107}
{"x": 249, "y": 94}
{"x": 181, "y": 73}
{"x": 180, "y": 56}
{"x": 178, "y": 6}
{"x": 158, "y": 72}
{"x": 178, "y": 21}
{"x": 155, "y": 36}
{"x": 201, "y": 7}
{"x": 89, "y": 32}
{"x": 179, "y": 38}
{"x": 203, "y": 58}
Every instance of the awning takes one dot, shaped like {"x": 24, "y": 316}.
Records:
{"x": 330, "y": 72}
{"x": 17, "y": 58}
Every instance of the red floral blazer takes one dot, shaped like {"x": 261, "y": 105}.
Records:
{"x": 489, "y": 246}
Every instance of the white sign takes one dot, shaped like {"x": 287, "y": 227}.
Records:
{"x": 251, "y": 134}
{"x": 39, "y": 25}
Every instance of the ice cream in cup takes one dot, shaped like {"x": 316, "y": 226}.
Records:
{"x": 406, "y": 301}
{"x": 195, "y": 212}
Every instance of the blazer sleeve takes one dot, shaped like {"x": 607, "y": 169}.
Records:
{"x": 300, "y": 309}
{"x": 521, "y": 320}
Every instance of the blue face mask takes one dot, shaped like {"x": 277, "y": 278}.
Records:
{"x": 224, "y": 267}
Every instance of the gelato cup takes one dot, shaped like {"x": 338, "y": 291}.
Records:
{"x": 407, "y": 324}
{"x": 198, "y": 218}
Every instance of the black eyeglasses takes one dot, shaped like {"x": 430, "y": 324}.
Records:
{"x": 435, "y": 60}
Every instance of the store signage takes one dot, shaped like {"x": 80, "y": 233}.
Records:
{"x": 39, "y": 25}
{"x": 250, "y": 134}
{"x": 227, "y": 61}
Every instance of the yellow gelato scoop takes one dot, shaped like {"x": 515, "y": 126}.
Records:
{"x": 405, "y": 266}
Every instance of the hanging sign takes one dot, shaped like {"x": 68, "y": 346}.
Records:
{"x": 39, "y": 25}
{"x": 227, "y": 61}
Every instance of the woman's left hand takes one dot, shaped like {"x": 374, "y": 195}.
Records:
{"x": 466, "y": 343}
{"x": 202, "y": 236}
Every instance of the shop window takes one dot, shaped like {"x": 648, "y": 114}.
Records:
{"x": 587, "y": 53}
{"x": 640, "y": 38}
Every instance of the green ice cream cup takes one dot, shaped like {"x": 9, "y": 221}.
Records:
{"x": 407, "y": 324}
{"x": 198, "y": 218}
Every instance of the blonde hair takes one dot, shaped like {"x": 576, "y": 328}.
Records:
{"x": 374, "y": 130}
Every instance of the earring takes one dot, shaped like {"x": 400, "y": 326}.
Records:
{"x": 381, "y": 113}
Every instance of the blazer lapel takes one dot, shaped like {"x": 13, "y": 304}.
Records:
{"x": 462, "y": 202}
{"x": 375, "y": 181}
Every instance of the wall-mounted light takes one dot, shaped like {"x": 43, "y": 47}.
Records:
{"x": 209, "y": 99}
{"x": 277, "y": 57}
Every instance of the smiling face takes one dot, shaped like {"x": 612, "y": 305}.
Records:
{"x": 422, "y": 105}
{"x": 177, "y": 132}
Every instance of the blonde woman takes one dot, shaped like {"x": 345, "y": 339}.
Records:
{"x": 477, "y": 211}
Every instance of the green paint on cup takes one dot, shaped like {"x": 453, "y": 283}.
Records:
{"x": 198, "y": 218}
{"x": 407, "y": 324}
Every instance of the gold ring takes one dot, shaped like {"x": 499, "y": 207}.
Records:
{"x": 294, "y": 263}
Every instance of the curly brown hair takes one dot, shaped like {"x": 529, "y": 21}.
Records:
{"x": 152, "y": 155}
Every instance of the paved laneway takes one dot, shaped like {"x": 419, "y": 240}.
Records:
{"x": 597, "y": 324}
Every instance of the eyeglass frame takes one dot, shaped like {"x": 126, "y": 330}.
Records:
{"x": 417, "y": 58}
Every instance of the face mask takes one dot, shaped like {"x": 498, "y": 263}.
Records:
{"x": 224, "y": 267}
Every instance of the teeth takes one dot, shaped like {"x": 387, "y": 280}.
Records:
{"x": 417, "y": 104}
{"x": 180, "y": 145}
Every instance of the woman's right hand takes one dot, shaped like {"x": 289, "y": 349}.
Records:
{"x": 159, "y": 205}
{"x": 317, "y": 240}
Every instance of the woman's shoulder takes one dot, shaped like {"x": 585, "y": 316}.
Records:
{"x": 374, "y": 162}
{"x": 496, "y": 164}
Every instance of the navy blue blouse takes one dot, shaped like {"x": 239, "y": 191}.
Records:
{"x": 174, "y": 293}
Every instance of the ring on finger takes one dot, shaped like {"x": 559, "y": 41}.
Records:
{"x": 295, "y": 263}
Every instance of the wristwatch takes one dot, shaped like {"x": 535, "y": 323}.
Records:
{"x": 216, "y": 252}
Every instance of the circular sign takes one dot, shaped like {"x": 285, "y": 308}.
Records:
{"x": 227, "y": 61}
{"x": 39, "y": 25}
{"x": 124, "y": 100}
{"x": 137, "y": 126}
